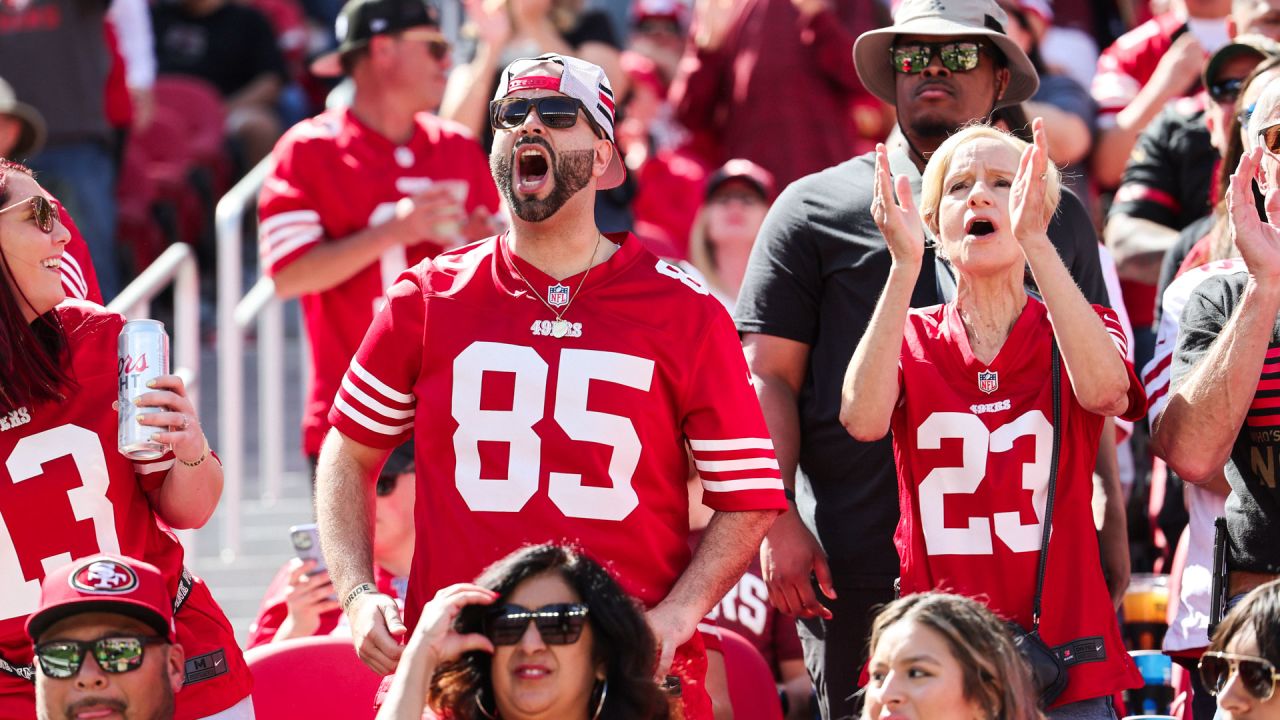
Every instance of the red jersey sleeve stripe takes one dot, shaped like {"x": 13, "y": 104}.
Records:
{"x": 350, "y": 412}
{"x": 723, "y": 486}
{"x": 73, "y": 276}
{"x": 270, "y": 225}
{"x": 759, "y": 463}
{"x": 271, "y": 257}
{"x": 390, "y": 394}
{"x": 371, "y": 403}
{"x": 731, "y": 444}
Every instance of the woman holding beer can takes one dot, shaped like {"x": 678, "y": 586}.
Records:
{"x": 66, "y": 490}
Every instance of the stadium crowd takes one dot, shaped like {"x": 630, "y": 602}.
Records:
{"x": 668, "y": 358}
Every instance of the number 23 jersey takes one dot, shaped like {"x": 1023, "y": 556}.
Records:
{"x": 973, "y": 443}
{"x": 525, "y": 437}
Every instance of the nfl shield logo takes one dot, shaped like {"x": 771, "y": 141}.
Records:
{"x": 558, "y": 295}
{"x": 988, "y": 381}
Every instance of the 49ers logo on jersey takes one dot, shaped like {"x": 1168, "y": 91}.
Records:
{"x": 104, "y": 577}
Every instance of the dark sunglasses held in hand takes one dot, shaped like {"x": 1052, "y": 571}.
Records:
{"x": 1257, "y": 675}
{"x": 556, "y": 111}
{"x": 558, "y": 624}
{"x": 912, "y": 58}
{"x": 43, "y": 213}
{"x": 62, "y": 658}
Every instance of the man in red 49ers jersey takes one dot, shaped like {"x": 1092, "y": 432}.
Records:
{"x": 552, "y": 378}
{"x": 360, "y": 194}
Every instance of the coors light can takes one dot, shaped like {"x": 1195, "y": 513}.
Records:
{"x": 143, "y": 357}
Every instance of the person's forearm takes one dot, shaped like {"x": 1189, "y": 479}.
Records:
{"x": 466, "y": 100}
{"x": 1069, "y": 135}
{"x": 407, "y": 696}
{"x": 728, "y": 544}
{"x": 189, "y": 495}
{"x": 331, "y": 263}
{"x": 1097, "y": 372}
{"x": 1139, "y": 246}
{"x": 344, "y": 512}
{"x": 1113, "y": 531}
{"x": 870, "y": 389}
{"x": 1198, "y": 428}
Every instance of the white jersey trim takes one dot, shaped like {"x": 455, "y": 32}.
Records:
{"x": 733, "y": 444}
{"x": 293, "y": 217}
{"x": 757, "y": 463}
{"x": 368, "y": 423}
{"x": 373, "y": 382}
{"x": 295, "y": 242}
{"x": 721, "y": 486}
{"x": 372, "y": 403}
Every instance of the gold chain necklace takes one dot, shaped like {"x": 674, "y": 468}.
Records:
{"x": 559, "y": 327}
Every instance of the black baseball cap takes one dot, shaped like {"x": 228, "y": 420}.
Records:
{"x": 360, "y": 20}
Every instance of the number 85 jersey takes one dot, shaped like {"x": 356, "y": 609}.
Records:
{"x": 522, "y": 436}
{"x": 973, "y": 443}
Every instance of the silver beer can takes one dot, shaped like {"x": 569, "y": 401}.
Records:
{"x": 143, "y": 357}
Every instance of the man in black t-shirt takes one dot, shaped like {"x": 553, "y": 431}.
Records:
{"x": 1224, "y": 410}
{"x": 815, "y": 273}
{"x": 234, "y": 48}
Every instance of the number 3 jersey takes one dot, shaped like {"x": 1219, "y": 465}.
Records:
{"x": 335, "y": 177}
{"x": 973, "y": 445}
{"x": 67, "y": 493}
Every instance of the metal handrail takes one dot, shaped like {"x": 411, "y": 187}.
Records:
{"x": 236, "y": 311}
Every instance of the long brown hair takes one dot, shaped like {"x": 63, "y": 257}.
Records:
{"x": 994, "y": 673}
{"x": 31, "y": 354}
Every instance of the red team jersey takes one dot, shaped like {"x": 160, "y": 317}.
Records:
{"x": 522, "y": 437}
{"x": 973, "y": 443}
{"x": 334, "y": 177}
{"x": 79, "y": 279}
{"x": 66, "y": 493}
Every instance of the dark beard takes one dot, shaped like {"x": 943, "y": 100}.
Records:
{"x": 931, "y": 129}
{"x": 570, "y": 172}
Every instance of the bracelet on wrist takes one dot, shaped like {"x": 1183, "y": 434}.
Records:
{"x": 203, "y": 455}
{"x": 356, "y": 592}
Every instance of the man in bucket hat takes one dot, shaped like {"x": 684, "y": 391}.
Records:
{"x": 574, "y": 369}
{"x": 105, "y": 642}
{"x": 815, "y": 274}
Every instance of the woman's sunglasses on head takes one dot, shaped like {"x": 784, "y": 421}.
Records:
{"x": 1257, "y": 675}
{"x": 62, "y": 658}
{"x": 913, "y": 58}
{"x": 558, "y": 624}
{"x": 43, "y": 213}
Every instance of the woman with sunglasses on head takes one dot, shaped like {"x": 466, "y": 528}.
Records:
{"x": 1240, "y": 667}
{"x": 977, "y": 414}
{"x": 545, "y": 632}
{"x": 66, "y": 492}
{"x": 936, "y": 656}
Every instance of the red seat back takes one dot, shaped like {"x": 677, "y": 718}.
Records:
{"x": 315, "y": 677}
{"x": 752, "y": 691}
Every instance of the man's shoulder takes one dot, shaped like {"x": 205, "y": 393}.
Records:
{"x": 1221, "y": 289}
{"x": 315, "y": 135}
{"x": 454, "y": 269}
{"x": 1154, "y": 35}
{"x": 842, "y": 189}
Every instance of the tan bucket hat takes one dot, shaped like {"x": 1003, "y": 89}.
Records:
{"x": 33, "y": 128}
{"x": 943, "y": 18}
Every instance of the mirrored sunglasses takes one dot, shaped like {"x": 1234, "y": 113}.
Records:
{"x": 558, "y": 624}
{"x": 1257, "y": 675}
{"x": 912, "y": 58}
{"x": 62, "y": 658}
{"x": 556, "y": 111}
{"x": 43, "y": 213}
{"x": 1269, "y": 136}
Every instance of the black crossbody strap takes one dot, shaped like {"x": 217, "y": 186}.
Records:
{"x": 1053, "y": 483}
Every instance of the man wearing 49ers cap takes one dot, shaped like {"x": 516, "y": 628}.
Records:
{"x": 553, "y": 379}
{"x": 105, "y": 641}
{"x": 359, "y": 194}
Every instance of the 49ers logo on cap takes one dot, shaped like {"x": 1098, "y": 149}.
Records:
{"x": 104, "y": 577}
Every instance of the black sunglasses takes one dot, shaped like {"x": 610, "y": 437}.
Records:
{"x": 912, "y": 58}
{"x": 1257, "y": 675}
{"x": 556, "y": 111}
{"x": 1225, "y": 91}
{"x": 43, "y": 213}
{"x": 558, "y": 624}
{"x": 437, "y": 46}
{"x": 61, "y": 659}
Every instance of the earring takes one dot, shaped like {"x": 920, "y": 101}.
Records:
{"x": 604, "y": 693}
{"x": 480, "y": 706}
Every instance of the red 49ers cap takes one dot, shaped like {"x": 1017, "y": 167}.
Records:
{"x": 104, "y": 583}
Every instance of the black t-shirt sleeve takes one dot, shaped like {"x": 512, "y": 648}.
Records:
{"x": 1203, "y": 317}
{"x": 781, "y": 289}
{"x": 263, "y": 47}
{"x": 1149, "y": 189}
{"x": 593, "y": 26}
{"x": 1073, "y": 234}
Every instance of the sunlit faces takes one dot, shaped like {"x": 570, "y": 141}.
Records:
{"x": 142, "y": 694}
{"x": 935, "y": 102}
{"x": 735, "y": 212}
{"x": 1234, "y": 701}
{"x": 33, "y": 257}
{"x": 973, "y": 222}
{"x": 914, "y": 676}
{"x": 532, "y": 679}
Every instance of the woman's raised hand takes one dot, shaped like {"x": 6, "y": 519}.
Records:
{"x": 1028, "y": 210}
{"x": 1258, "y": 241}
{"x": 436, "y": 638}
{"x": 898, "y": 219}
